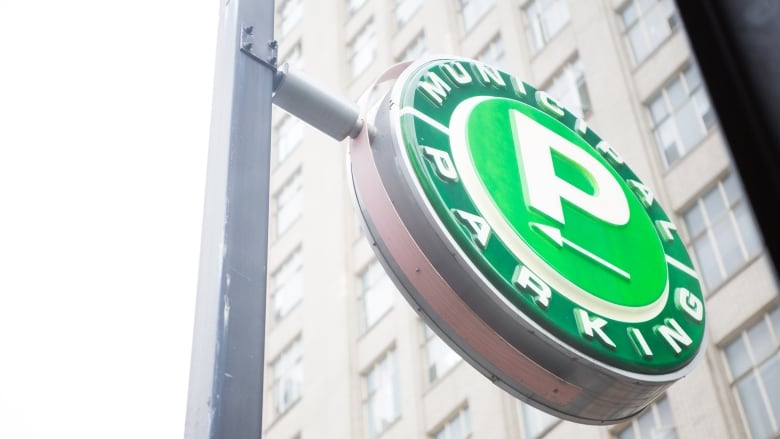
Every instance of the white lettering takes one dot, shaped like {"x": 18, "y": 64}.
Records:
{"x": 640, "y": 343}
{"x": 549, "y": 104}
{"x": 487, "y": 75}
{"x": 518, "y": 86}
{"x": 443, "y": 162}
{"x": 643, "y": 192}
{"x": 606, "y": 149}
{"x": 674, "y": 335}
{"x": 528, "y": 280}
{"x": 435, "y": 89}
{"x": 477, "y": 225}
{"x": 457, "y": 73}
{"x": 689, "y": 303}
{"x": 581, "y": 126}
{"x": 665, "y": 230}
{"x": 592, "y": 327}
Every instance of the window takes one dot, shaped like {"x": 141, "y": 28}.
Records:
{"x": 647, "y": 24}
{"x": 722, "y": 232}
{"x": 471, "y": 11}
{"x": 545, "y": 19}
{"x": 458, "y": 427}
{"x": 287, "y": 285}
{"x": 381, "y": 398}
{"x": 354, "y": 5}
{"x": 439, "y": 356}
{"x": 655, "y": 423}
{"x": 415, "y": 49}
{"x": 493, "y": 53}
{"x": 405, "y": 9}
{"x": 378, "y": 293}
{"x": 290, "y": 12}
{"x": 289, "y": 203}
{"x": 362, "y": 49}
{"x": 536, "y": 422}
{"x": 569, "y": 88}
{"x": 754, "y": 363}
{"x": 295, "y": 58}
{"x": 681, "y": 115}
{"x": 287, "y": 378}
{"x": 289, "y": 133}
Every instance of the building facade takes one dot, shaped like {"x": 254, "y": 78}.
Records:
{"x": 346, "y": 355}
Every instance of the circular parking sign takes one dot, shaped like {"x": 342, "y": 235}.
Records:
{"x": 526, "y": 242}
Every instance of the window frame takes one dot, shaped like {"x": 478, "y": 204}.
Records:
{"x": 284, "y": 146}
{"x": 496, "y": 40}
{"x": 428, "y": 337}
{"x": 773, "y": 327}
{"x": 401, "y": 21}
{"x": 482, "y": 8}
{"x": 282, "y": 377}
{"x": 296, "y": 256}
{"x": 368, "y": 394}
{"x": 368, "y": 34}
{"x": 654, "y": 411}
{"x": 295, "y": 54}
{"x": 379, "y": 277}
{"x": 672, "y": 111}
{"x": 418, "y": 43}
{"x": 294, "y": 182}
{"x": 549, "y": 421}
{"x": 461, "y": 414}
{"x": 538, "y": 41}
{"x": 568, "y": 67}
{"x": 285, "y": 15}
{"x": 353, "y": 9}
{"x": 641, "y": 21}
{"x": 709, "y": 225}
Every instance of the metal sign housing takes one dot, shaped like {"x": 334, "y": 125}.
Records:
{"x": 526, "y": 242}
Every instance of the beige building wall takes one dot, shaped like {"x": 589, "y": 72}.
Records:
{"x": 336, "y": 352}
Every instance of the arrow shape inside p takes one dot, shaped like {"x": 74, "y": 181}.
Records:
{"x": 555, "y": 236}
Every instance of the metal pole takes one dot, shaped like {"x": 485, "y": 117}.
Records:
{"x": 226, "y": 373}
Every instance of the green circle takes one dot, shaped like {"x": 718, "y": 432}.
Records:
{"x": 591, "y": 245}
{"x": 440, "y": 138}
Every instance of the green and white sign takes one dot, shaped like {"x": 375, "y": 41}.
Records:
{"x": 545, "y": 234}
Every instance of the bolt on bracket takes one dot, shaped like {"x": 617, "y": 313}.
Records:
{"x": 248, "y": 48}
{"x": 319, "y": 108}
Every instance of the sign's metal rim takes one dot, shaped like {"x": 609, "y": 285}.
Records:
{"x": 610, "y": 379}
{"x": 441, "y": 229}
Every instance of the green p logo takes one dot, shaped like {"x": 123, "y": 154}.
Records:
{"x": 558, "y": 202}
{"x": 526, "y": 242}
{"x": 552, "y": 215}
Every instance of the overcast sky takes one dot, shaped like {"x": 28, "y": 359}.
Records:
{"x": 104, "y": 121}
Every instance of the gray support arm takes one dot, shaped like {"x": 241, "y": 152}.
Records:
{"x": 330, "y": 114}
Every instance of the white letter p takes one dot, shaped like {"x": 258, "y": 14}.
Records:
{"x": 544, "y": 190}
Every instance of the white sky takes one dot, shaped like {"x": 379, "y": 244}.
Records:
{"x": 104, "y": 121}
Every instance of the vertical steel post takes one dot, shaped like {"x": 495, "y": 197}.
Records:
{"x": 226, "y": 372}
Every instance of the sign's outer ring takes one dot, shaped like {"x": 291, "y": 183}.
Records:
{"x": 438, "y": 280}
